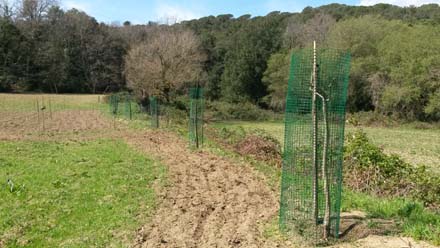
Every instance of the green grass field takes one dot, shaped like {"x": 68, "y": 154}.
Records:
{"x": 74, "y": 194}
{"x": 416, "y": 146}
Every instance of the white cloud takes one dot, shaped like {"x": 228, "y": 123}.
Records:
{"x": 283, "y": 6}
{"x": 166, "y": 13}
{"x": 399, "y": 2}
{"x": 73, "y": 4}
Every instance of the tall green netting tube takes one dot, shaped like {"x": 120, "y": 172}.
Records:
{"x": 314, "y": 137}
{"x": 128, "y": 111}
{"x": 154, "y": 112}
{"x": 196, "y": 117}
{"x": 114, "y": 104}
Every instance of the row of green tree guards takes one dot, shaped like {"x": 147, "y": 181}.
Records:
{"x": 196, "y": 111}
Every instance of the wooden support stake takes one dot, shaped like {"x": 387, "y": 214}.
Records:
{"x": 50, "y": 108}
{"x": 315, "y": 138}
{"x": 324, "y": 169}
{"x": 38, "y": 112}
{"x": 42, "y": 112}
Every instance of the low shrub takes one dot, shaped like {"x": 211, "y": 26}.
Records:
{"x": 173, "y": 116}
{"x": 368, "y": 169}
{"x": 228, "y": 136}
{"x": 181, "y": 103}
{"x": 371, "y": 118}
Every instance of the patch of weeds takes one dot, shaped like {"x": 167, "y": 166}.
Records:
{"x": 16, "y": 189}
{"x": 410, "y": 216}
{"x": 272, "y": 231}
{"x": 372, "y": 224}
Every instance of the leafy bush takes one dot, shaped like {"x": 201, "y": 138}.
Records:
{"x": 368, "y": 169}
{"x": 229, "y": 135}
{"x": 173, "y": 115}
{"x": 374, "y": 118}
{"x": 370, "y": 118}
{"x": 181, "y": 103}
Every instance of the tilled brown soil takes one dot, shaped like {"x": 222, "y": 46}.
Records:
{"x": 210, "y": 201}
{"x": 17, "y": 126}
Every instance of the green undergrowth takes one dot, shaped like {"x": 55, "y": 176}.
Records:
{"x": 368, "y": 169}
{"x": 220, "y": 111}
{"x": 404, "y": 190}
{"x": 74, "y": 194}
{"x": 412, "y": 218}
{"x": 376, "y": 119}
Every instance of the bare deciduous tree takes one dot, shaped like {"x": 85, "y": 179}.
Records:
{"x": 378, "y": 81}
{"x": 167, "y": 60}
{"x": 315, "y": 29}
{"x": 35, "y": 10}
{"x": 132, "y": 34}
{"x": 8, "y": 9}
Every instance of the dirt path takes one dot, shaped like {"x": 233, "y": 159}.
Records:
{"x": 210, "y": 201}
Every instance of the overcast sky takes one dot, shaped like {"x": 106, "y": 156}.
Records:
{"x": 142, "y": 11}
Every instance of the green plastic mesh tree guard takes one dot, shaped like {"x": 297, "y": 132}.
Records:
{"x": 128, "y": 107}
{"x": 314, "y": 137}
{"x": 154, "y": 112}
{"x": 196, "y": 116}
{"x": 114, "y": 104}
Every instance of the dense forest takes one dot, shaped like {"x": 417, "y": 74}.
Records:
{"x": 395, "y": 54}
